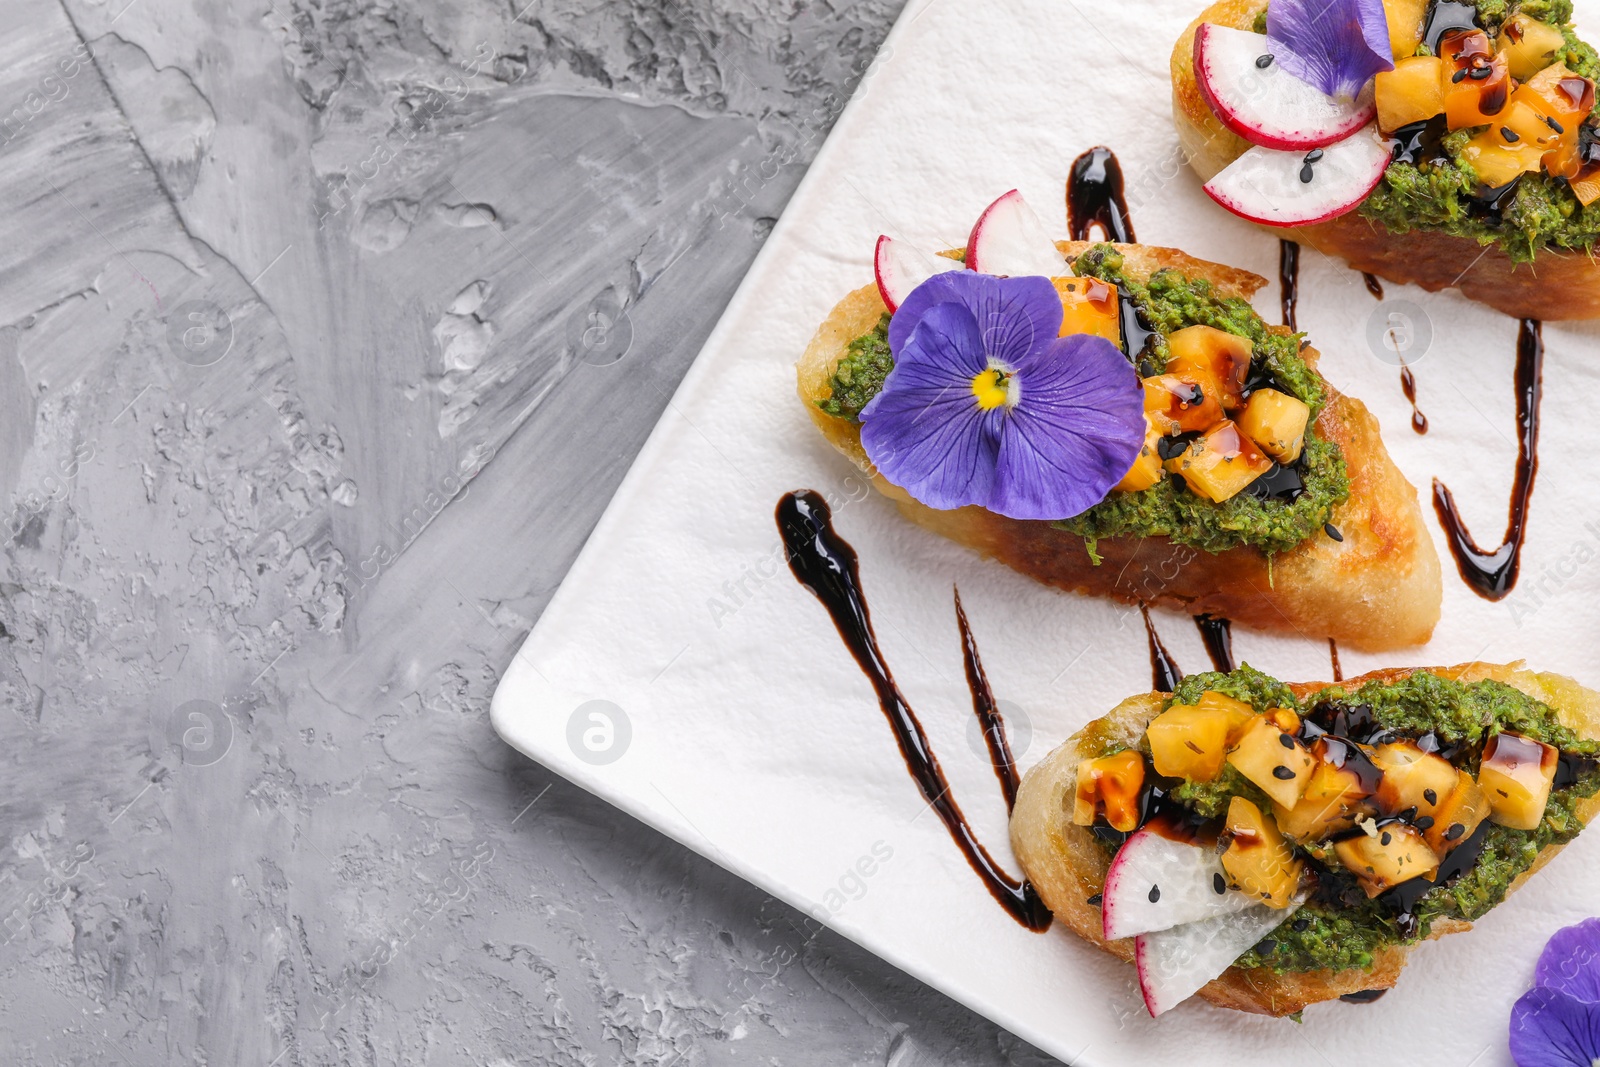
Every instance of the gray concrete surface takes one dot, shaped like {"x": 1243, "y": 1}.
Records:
{"x": 329, "y": 328}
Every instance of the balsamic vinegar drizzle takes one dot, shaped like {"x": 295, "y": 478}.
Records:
{"x": 824, "y": 563}
{"x": 1365, "y": 996}
{"x": 1165, "y": 674}
{"x": 1333, "y": 654}
{"x": 1408, "y": 386}
{"x": 1094, "y": 197}
{"x": 1218, "y": 636}
{"x": 1492, "y": 574}
{"x": 988, "y": 713}
{"x": 1408, "y": 380}
{"x": 1289, "y": 280}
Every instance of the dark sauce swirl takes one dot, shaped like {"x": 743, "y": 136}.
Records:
{"x": 1094, "y": 197}
{"x": 825, "y": 563}
{"x": 1492, "y": 573}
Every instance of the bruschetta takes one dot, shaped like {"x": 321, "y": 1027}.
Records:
{"x": 1462, "y": 155}
{"x": 1268, "y": 846}
{"x": 1253, "y": 490}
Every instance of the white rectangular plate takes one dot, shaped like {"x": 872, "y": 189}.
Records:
{"x": 741, "y": 726}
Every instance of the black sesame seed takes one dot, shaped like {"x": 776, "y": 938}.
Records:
{"x": 1386, "y": 839}
{"x": 1263, "y": 62}
{"x": 1332, "y": 531}
{"x": 1302, "y": 925}
{"x": 1313, "y": 155}
{"x": 1455, "y": 831}
{"x": 1267, "y": 947}
{"x": 1096, "y": 900}
{"x": 1554, "y": 125}
{"x": 1219, "y": 883}
{"x": 1509, "y": 134}
{"x": 1285, "y": 740}
{"x": 1424, "y": 823}
{"x": 1283, "y": 774}
{"x": 1430, "y": 796}
{"x": 1306, "y": 174}
{"x": 1480, "y": 73}
{"x": 1155, "y": 893}
{"x": 1458, "y": 76}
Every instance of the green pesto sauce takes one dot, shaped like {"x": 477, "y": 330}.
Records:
{"x": 1322, "y": 935}
{"x": 1171, "y": 301}
{"x": 1542, "y": 213}
{"x": 860, "y": 374}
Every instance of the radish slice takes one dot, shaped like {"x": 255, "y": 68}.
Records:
{"x": 900, "y": 267}
{"x": 1300, "y": 188}
{"x": 1155, "y": 883}
{"x": 1174, "y": 964}
{"x": 1267, "y": 105}
{"x": 1009, "y": 240}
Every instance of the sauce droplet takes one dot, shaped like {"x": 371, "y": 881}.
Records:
{"x": 1094, "y": 197}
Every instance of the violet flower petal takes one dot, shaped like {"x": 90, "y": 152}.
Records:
{"x": 1570, "y": 962}
{"x": 1075, "y": 432}
{"x": 925, "y": 431}
{"x": 1335, "y": 45}
{"x": 1551, "y": 1029}
{"x": 1014, "y": 315}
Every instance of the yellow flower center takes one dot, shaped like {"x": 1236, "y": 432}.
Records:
{"x": 993, "y": 388}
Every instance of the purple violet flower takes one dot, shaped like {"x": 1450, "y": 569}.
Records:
{"x": 1557, "y": 1022}
{"x": 987, "y": 405}
{"x": 1335, "y": 45}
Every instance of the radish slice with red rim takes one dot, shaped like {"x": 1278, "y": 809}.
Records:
{"x": 900, "y": 267}
{"x": 1009, "y": 240}
{"x": 1262, "y": 102}
{"x": 1155, "y": 883}
{"x": 1301, "y": 188}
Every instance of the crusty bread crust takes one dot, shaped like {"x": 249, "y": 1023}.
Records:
{"x": 1377, "y": 590}
{"x": 1559, "y": 285}
{"x": 1067, "y": 866}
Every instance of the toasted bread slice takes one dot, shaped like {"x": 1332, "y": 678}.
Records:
{"x": 1562, "y": 284}
{"x": 1067, "y": 866}
{"x": 1378, "y": 589}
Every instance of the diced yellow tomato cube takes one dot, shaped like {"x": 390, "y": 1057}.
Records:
{"x": 1496, "y": 162}
{"x": 1109, "y": 786}
{"x": 1224, "y": 356}
{"x": 1188, "y": 742}
{"x": 1529, "y": 45}
{"x": 1089, "y": 305}
{"x": 1405, "y": 18}
{"x": 1561, "y": 100}
{"x": 1220, "y": 464}
{"x": 1458, "y": 816}
{"x": 1412, "y": 92}
{"x": 1412, "y": 778}
{"x": 1276, "y": 422}
{"x": 1516, "y": 774}
{"x": 1240, "y": 715}
{"x": 1179, "y": 403}
{"x": 1257, "y": 859}
{"x": 1476, "y": 82}
{"x": 1146, "y": 470}
{"x": 1274, "y": 761}
{"x": 1397, "y": 853}
{"x": 1586, "y": 186}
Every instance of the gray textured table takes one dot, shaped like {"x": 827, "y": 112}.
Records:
{"x": 330, "y": 329}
